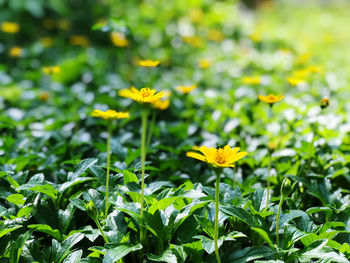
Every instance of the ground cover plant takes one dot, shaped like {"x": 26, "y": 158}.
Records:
{"x": 174, "y": 131}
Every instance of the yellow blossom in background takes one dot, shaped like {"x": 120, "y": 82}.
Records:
{"x": 186, "y": 89}
{"x": 161, "y": 104}
{"x": 193, "y": 41}
{"x": 295, "y": 81}
{"x": 270, "y": 99}
{"x": 148, "y": 63}
{"x": 46, "y": 41}
{"x": 145, "y": 95}
{"x": 15, "y": 51}
{"x": 215, "y": 35}
{"x": 119, "y": 40}
{"x": 63, "y": 24}
{"x": 51, "y": 70}
{"x": 255, "y": 37}
{"x": 49, "y": 23}
{"x": 315, "y": 69}
{"x": 196, "y": 15}
{"x": 285, "y": 51}
{"x": 324, "y": 103}
{"x": 110, "y": 114}
{"x": 251, "y": 80}
{"x": 222, "y": 157}
{"x": 79, "y": 40}
{"x": 9, "y": 27}
{"x": 302, "y": 73}
{"x": 44, "y": 96}
{"x": 303, "y": 58}
{"x": 204, "y": 63}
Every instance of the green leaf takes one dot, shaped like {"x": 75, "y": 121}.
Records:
{"x": 17, "y": 246}
{"x": 76, "y": 181}
{"x": 259, "y": 199}
{"x": 114, "y": 254}
{"x": 249, "y": 254}
{"x": 16, "y": 199}
{"x": 47, "y": 230}
{"x": 209, "y": 244}
{"x": 206, "y": 225}
{"x": 238, "y": 212}
{"x": 167, "y": 256}
{"x": 129, "y": 177}
{"x": 45, "y": 189}
{"x": 264, "y": 235}
{"x": 7, "y": 229}
{"x": 82, "y": 167}
{"x": 74, "y": 257}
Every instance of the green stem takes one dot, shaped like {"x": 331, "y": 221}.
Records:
{"x": 143, "y": 159}
{"x": 278, "y": 219}
{"x": 150, "y": 130}
{"x": 108, "y": 164}
{"x": 101, "y": 231}
{"x": 216, "y": 223}
{"x": 268, "y": 181}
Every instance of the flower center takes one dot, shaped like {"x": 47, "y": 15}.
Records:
{"x": 220, "y": 156}
{"x": 271, "y": 97}
{"x": 145, "y": 92}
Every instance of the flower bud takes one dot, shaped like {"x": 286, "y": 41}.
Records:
{"x": 286, "y": 187}
{"x": 91, "y": 209}
{"x": 324, "y": 103}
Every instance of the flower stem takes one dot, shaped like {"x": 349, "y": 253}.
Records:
{"x": 101, "y": 231}
{"x": 216, "y": 223}
{"x": 268, "y": 181}
{"x": 278, "y": 219}
{"x": 108, "y": 164}
{"x": 143, "y": 159}
{"x": 150, "y": 130}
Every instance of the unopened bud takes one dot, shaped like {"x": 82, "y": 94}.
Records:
{"x": 91, "y": 209}
{"x": 324, "y": 103}
{"x": 286, "y": 187}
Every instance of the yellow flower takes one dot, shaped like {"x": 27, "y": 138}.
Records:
{"x": 193, "y": 41}
{"x": 161, "y": 104}
{"x": 251, "y": 80}
{"x": 295, "y": 81}
{"x": 110, "y": 114}
{"x": 9, "y": 27}
{"x": 315, "y": 69}
{"x": 302, "y": 73}
{"x": 46, "y": 41}
{"x": 196, "y": 15}
{"x": 63, "y": 24}
{"x": 255, "y": 37}
{"x": 324, "y": 103}
{"x": 79, "y": 40}
{"x": 270, "y": 98}
{"x": 215, "y": 35}
{"x": 15, "y": 51}
{"x": 204, "y": 63}
{"x": 186, "y": 89}
{"x": 303, "y": 58}
{"x": 222, "y": 157}
{"x": 51, "y": 70}
{"x": 119, "y": 40}
{"x": 44, "y": 96}
{"x": 145, "y": 95}
{"x": 148, "y": 63}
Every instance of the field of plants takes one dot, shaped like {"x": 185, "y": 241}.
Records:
{"x": 174, "y": 131}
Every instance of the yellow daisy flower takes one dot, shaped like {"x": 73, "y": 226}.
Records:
{"x": 145, "y": 95}
{"x": 15, "y": 51}
{"x": 295, "y": 81}
{"x": 251, "y": 80}
{"x": 110, "y": 114}
{"x": 204, "y": 63}
{"x": 148, "y": 63}
{"x": 46, "y": 41}
{"x": 315, "y": 69}
{"x": 119, "y": 39}
{"x": 79, "y": 40}
{"x": 9, "y": 27}
{"x": 51, "y": 70}
{"x": 270, "y": 98}
{"x": 186, "y": 89}
{"x": 222, "y": 157}
{"x": 161, "y": 104}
